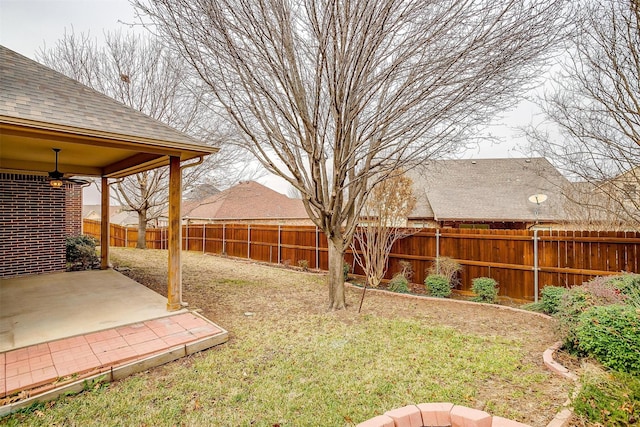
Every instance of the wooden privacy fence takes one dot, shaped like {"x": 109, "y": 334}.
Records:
{"x": 521, "y": 261}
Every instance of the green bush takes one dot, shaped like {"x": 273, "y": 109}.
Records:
{"x": 609, "y": 399}
{"x": 551, "y": 298}
{"x": 399, "y": 284}
{"x": 579, "y": 299}
{"x": 81, "y": 253}
{"x": 486, "y": 290}
{"x": 534, "y": 306}
{"x": 438, "y": 285}
{"x": 629, "y": 286}
{"x": 447, "y": 267}
{"x": 345, "y": 271}
{"x": 611, "y": 334}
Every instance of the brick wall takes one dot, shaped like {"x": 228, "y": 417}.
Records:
{"x": 33, "y": 224}
{"x": 73, "y": 209}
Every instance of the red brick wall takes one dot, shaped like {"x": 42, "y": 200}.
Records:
{"x": 73, "y": 209}
{"x": 33, "y": 224}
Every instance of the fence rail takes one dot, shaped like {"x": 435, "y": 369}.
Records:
{"x": 522, "y": 261}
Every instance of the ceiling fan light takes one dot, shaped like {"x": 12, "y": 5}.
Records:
{"x": 55, "y": 183}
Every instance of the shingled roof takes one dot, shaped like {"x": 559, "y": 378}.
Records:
{"x": 487, "y": 190}
{"x": 29, "y": 90}
{"x": 41, "y": 108}
{"x": 247, "y": 200}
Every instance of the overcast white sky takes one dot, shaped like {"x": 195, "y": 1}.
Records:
{"x": 27, "y": 25}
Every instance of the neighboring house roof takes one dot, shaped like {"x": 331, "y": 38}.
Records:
{"x": 246, "y": 200}
{"x": 124, "y": 218}
{"x": 488, "y": 190}
{"x": 96, "y": 210}
{"x": 99, "y": 136}
{"x": 200, "y": 192}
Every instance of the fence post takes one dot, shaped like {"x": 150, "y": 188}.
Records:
{"x": 126, "y": 237}
{"x": 224, "y": 242}
{"x": 317, "y": 250}
{"x": 248, "y": 241}
{"x": 279, "y": 241}
{"x": 204, "y": 236}
{"x": 536, "y": 268}
{"x": 437, "y": 243}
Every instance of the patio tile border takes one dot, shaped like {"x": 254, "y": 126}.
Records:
{"x": 118, "y": 369}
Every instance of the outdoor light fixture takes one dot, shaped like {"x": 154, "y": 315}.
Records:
{"x": 56, "y": 178}
{"x": 55, "y": 183}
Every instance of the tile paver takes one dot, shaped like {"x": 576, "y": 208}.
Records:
{"x": 42, "y": 364}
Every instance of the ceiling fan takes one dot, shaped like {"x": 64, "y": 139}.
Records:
{"x": 56, "y": 178}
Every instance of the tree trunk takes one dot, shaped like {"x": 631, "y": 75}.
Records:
{"x": 336, "y": 275}
{"x": 142, "y": 230}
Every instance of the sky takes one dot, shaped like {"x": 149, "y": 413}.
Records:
{"x": 29, "y": 25}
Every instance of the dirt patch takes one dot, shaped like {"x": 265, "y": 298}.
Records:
{"x": 225, "y": 291}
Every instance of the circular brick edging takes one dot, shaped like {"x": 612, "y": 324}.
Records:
{"x": 561, "y": 419}
{"x": 438, "y": 414}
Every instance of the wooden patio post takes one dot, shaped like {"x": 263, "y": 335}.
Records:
{"x": 104, "y": 225}
{"x": 175, "y": 235}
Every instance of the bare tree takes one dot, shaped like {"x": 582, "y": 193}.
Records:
{"x": 335, "y": 95}
{"x": 146, "y": 75}
{"x": 594, "y": 103}
{"x": 590, "y": 207}
{"x": 383, "y": 221}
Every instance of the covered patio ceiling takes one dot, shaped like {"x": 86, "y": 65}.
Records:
{"x": 27, "y": 147}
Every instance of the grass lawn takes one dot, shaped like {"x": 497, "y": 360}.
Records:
{"x": 289, "y": 362}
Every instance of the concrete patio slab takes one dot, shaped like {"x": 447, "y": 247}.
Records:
{"x": 42, "y": 308}
{"x": 57, "y": 330}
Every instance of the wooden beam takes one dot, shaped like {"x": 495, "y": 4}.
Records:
{"x": 104, "y": 225}
{"x": 174, "y": 290}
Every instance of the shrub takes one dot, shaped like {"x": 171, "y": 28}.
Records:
{"x": 551, "y": 298}
{"x": 629, "y": 286}
{"x": 611, "y": 334}
{"x": 406, "y": 269}
{"x": 304, "y": 264}
{"x": 399, "y": 284}
{"x": 438, "y": 285}
{"x": 447, "y": 267}
{"x": 345, "y": 271}
{"x": 579, "y": 299}
{"x": 486, "y": 290}
{"x": 81, "y": 253}
{"x": 534, "y": 306}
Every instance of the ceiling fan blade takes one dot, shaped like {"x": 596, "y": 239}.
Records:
{"x": 78, "y": 181}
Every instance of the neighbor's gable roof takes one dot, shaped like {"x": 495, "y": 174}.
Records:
{"x": 246, "y": 200}
{"x": 41, "y": 108}
{"x": 488, "y": 190}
